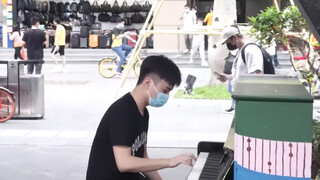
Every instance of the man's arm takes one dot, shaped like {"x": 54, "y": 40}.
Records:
{"x": 128, "y": 163}
{"x": 254, "y": 59}
{"x": 152, "y": 175}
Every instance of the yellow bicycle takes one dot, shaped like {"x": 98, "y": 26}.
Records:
{"x": 108, "y": 66}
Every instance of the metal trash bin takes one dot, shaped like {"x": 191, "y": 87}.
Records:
{"x": 273, "y": 128}
{"x": 28, "y": 90}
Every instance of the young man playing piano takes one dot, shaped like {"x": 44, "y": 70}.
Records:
{"x": 119, "y": 149}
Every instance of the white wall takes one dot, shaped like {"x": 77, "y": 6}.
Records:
{"x": 169, "y": 19}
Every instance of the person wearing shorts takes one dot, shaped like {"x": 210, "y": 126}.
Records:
{"x": 59, "y": 45}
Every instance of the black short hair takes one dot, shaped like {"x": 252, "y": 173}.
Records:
{"x": 16, "y": 28}
{"x": 34, "y": 20}
{"x": 162, "y": 67}
{"x": 57, "y": 20}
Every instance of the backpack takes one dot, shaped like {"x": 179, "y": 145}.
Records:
{"x": 53, "y": 7}
{"x": 67, "y": 7}
{"x": 74, "y": 7}
{"x": 267, "y": 61}
{"x": 86, "y": 7}
{"x": 21, "y": 5}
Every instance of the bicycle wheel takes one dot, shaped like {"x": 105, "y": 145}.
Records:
{"x": 107, "y": 67}
{"x": 7, "y": 106}
{"x": 136, "y": 67}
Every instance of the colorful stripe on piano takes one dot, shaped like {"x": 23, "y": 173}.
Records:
{"x": 260, "y": 158}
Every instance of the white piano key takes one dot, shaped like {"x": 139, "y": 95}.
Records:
{"x": 197, "y": 168}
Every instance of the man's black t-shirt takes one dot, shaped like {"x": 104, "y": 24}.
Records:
{"x": 34, "y": 39}
{"x": 123, "y": 125}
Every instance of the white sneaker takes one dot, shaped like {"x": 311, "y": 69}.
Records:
{"x": 191, "y": 61}
{"x": 64, "y": 70}
{"x": 57, "y": 69}
{"x": 204, "y": 64}
{"x": 185, "y": 51}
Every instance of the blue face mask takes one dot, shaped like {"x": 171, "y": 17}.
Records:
{"x": 160, "y": 100}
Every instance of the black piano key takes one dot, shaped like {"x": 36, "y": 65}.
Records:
{"x": 212, "y": 166}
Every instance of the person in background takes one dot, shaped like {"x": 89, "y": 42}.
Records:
{"x": 16, "y": 37}
{"x": 59, "y": 45}
{"x": 198, "y": 43}
{"x": 189, "y": 19}
{"x": 34, "y": 40}
{"x": 208, "y": 21}
{"x": 253, "y": 63}
{"x": 117, "y": 45}
{"x": 208, "y": 18}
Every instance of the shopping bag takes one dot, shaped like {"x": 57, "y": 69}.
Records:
{"x": 23, "y": 54}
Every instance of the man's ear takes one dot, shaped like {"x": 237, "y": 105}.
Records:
{"x": 147, "y": 82}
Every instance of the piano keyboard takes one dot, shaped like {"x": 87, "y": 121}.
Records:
{"x": 211, "y": 166}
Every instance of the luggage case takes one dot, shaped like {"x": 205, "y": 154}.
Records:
{"x": 83, "y": 42}
{"x": 103, "y": 41}
{"x": 93, "y": 41}
{"x": 135, "y": 37}
{"x": 75, "y": 41}
{"x": 84, "y": 31}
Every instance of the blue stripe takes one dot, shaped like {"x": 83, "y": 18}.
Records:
{"x": 241, "y": 173}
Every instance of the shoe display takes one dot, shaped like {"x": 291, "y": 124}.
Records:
{"x": 230, "y": 109}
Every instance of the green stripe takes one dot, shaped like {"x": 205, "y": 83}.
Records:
{"x": 280, "y": 121}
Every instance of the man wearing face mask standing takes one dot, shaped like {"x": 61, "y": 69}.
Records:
{"x": 189, "y": 19}
{"x": 119, "y": 149}
{"x": 117, "y": 46}
{"x": 253, "y": 63}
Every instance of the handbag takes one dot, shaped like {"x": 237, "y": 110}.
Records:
{"x": 116, "y": 8}
{"x": 125, "y": 7}
{"x": 105, "y": 7}
{"x": 104, "y": 17}
{"x": 136, "y": 7}
{"x": 146, "y": 7}
{"x": 95, "y": 6}
{"x": 114, "y": 18}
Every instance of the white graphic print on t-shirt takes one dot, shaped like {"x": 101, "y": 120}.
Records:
{"x": 140, "y": 140}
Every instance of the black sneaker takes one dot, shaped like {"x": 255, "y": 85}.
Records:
{"x": 230, "y": 109}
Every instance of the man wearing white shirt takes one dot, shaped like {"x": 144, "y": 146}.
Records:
{"x": 189, "y": 18}
{"x": 253, "y": 63}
